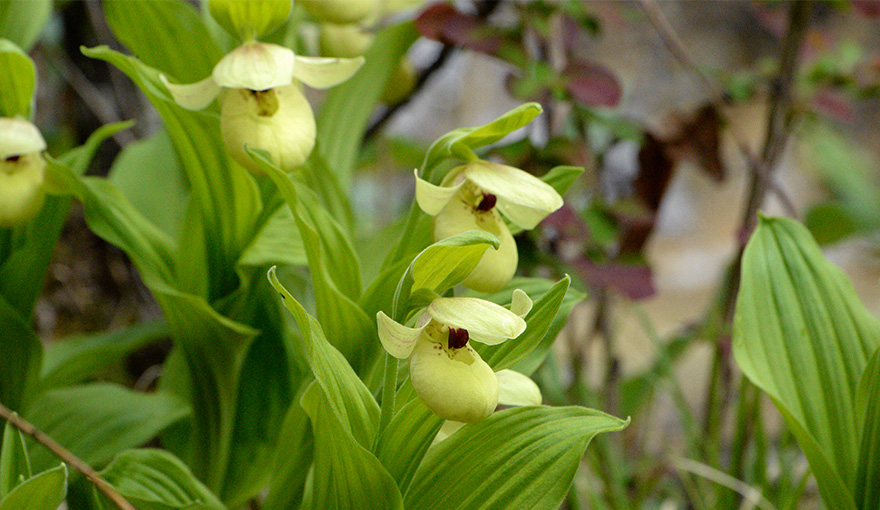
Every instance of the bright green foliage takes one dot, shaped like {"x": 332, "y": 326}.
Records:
{"x": 518, "y": 458}
{"x": 21, "y": 22}
{"x": 156, "y": 480}
{"x": 97, "y": 420}
{"x": 803, "y": 337}
{"x": 44, "y": 491}
{"x": 15, "y": 465}
{"x": 20, "y": 78}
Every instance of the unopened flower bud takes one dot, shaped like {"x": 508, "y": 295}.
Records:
{"x": 249, "y": 19}
{"x": 340, "y": 11}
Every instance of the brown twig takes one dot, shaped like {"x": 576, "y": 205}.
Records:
{"x": 759, "y": 167}
{"x": 65, "y": 455}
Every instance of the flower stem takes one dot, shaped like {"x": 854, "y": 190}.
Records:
{"x": 389, "y": 393}
{"x": 65, "y": 455}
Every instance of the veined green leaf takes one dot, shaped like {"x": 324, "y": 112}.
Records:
{"x": 278, "y": 243}
{"x": 157, "y": 480}
{"x": 404, "y": 443}
{"x": 147, "y": 172}
{"x": 350, "y": 400}
{"x": 165, "y": 34}
{"x": 20, "y": 362}
{"x": 461, "y": 142}
{"x": 346, "y": 474}
{"x": 803, "y": 337}
{"x": 214, "y": 348}
{"x": 524, "y": 457}
{"x": 334, "y": 268}
{"x": 19, "y": 80}
{"x": 44, "y": 491}
{"x": 96, "y": 421}
{"x": 867, "y": 487}
{"x": 447, "y": 263}
{"x": 15, "y": 465}
{"x": 22, "y": 22}
{"x": 538, "y": 322}
{"x": 77, "y": 358}
{"x": 347, "y": 109}
{"x": 111, "y": 216}
{"x": 292, "y": 460}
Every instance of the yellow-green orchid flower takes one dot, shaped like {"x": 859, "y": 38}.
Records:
{"x": 21, "y": 171}
{"x": 262, "y": 105}
{"x": 472, "y": 196}
{"x": 447, "y": 373}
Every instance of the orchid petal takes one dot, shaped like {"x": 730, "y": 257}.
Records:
{"x": 520, "y": 303}
{"x": 516, "y": 389}
{"x": 255, "y": 66}
{"x": 456, "y": 385}
{"x": 321, "y": 73}
{"x": 397, "y": 339}
{"x": 485, "y": 322}
{"x": 19, "y": 137}
{"x": 431, "y": 198}
{"x": 523, "y": 198}
{"x": 194, "y": 96}
{"x": 497, "y": 267}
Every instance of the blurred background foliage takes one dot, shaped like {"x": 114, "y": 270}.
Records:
{"x": 688, "y": 116}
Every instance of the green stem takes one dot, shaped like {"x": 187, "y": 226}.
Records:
{"x": 389, "y": 392}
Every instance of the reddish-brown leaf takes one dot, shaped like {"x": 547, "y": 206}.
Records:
{"x": 591, "y": 84}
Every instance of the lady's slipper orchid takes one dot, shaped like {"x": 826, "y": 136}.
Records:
{"x": 262, "y": 106}
{"x": 446, "y": 372}
{"x": 21, "y": 171}
{"x": 472, "y": 196}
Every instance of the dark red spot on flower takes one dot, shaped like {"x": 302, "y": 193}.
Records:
{"x": 487, "y": 203}
{"x": 13, "y": 159}
{"x": 458, "y": 338}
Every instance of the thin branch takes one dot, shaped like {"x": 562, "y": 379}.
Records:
{"x": 424, "y": 75}
{"x": 758, "y": 167}
{"x": 65, "y": 455}
{"x": 752, "y": 496}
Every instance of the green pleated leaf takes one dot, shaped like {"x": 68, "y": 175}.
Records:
{"x": 147, "y": 172}
{"x": 15, "y": 465}
{"x": 80, "y": 357}
{"x": 461, "y": 142}
{"x": 334, "y": 268}
{"x": 44, "y": 491}
{"x": 351, "y": 401}
{"x": 292, "y": 461}
{"x": 562, "y": 177}
{"x": 96, "y": 421}
{"x": 346, "y": 475}
{"x": 447, "y": 263}
{"x": 157, "y": 480}
{"x": 112, "y": 217}
{"x": 538, "y": 322}
{"x": 21, "y": 358}
{"x": 23, "y": 273}
{"x": 404, "y": 443}
{"x": 867, "y": 493}
{"x": 347, "y": 108}
{"x": 165, "y": 34}
{"x": 803, "y": 337}
{"x": 524, "y": 457}
{"x": 278, "y": 243}
{"x": 214, "y": 348}
{"x": 21, "y": 22}
{"x": 19, "y": 81}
